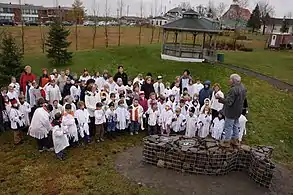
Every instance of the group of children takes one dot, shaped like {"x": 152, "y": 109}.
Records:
{"x": 94, "y": 106}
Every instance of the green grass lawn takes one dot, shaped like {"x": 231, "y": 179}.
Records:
{"x": 273, "y": 63}
{"x": 90, "y": 170}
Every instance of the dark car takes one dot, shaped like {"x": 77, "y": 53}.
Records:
{"x": 48, "y": 23}
{"x": 31, "y": 23}
{"x": 66, "y": 23}
{"x": 6, "y": 22}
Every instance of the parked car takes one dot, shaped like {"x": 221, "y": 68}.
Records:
{"x": 48, "y": 23}
{"x": 6, "y": 22}
{"x": 66, "y": 23}
{"x": 31, "y": 23}
{"x": 89, "y": 23}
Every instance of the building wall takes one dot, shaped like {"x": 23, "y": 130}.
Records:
{"x": 274, "y": 29}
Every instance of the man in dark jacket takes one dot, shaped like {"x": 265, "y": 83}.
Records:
{"x": 204, "y": 93}
{"x": 121, "y": 74}
{"x": 233, "y": 105}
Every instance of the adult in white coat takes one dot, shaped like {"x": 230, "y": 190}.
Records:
{"x": 41, "y": 126}
{"x": 53, "y": 92}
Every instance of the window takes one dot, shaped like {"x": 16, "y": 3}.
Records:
{"x": 157, "y": 22}
{"x": 1, "y": 10}
{"x": 165, "y": 22}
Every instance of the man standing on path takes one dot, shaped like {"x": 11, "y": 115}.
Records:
{"x": 233, "y": 104}
{"x": 121, "y": 74}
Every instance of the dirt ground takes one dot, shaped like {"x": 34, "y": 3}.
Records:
{"x": 170, "y": 182}
{"x": 129, "y": 36}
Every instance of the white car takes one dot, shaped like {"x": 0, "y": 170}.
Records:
{"x": 89, "y": 23}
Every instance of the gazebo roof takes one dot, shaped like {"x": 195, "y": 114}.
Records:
{"x": 192, "y": 21}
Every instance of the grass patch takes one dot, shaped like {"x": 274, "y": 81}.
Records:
{"x": 277, "y": 64}
{"x": 90, "y": 170}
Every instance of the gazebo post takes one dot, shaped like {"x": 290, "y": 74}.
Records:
{"x": 210, "y": 41}
{"x": 163, "y": 41}
{"x": 180, "y": 43}
{"x": 194, "y": 36}
{"x": 204, "y": 40}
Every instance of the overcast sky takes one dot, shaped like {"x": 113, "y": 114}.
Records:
{"x": 282, "y": 7}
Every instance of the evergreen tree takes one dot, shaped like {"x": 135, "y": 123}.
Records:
{"x": 57, "y": 45}
{"x": 254, "y": 21}
{"x": 285, "y": 27}
{"x": 10, "y": 59}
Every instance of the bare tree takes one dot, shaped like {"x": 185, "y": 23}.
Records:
{"x": 120, "y": 11}
{"x": 140, "y": 23}
{"x": 43, "y": 38}
{"x": 78, "y": 11}
{"x": 266, "y": 11}
{"x": 185, "y": 5}
{"x": 96, "y": 13}
{"x": 106, "y": 24}
{"x": 220, "y": 9}
{"x": 22, "y": 26}
{"x": 289, "y": 15}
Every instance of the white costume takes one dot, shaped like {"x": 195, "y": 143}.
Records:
{"x": 203, "y": 125}
{"x": 25, "y": 109}
{"x": 176, "y": 93}
{"x": 112, "y": 87}
{"x": 53, "y": 93}
{"x": 75, "y": 93}
{"x": 159, "y": 87}
{"x": 100, "y": 82}
{"x": 215, "y": 105}
{"x": 198, "y": 87}
{"x": 69, "y": 126}
{"x": 60, "y": 139}
{"x": 217, "y": 128}
{"x": 59, "y": 109}
{"x": 40, "y": 124}
{"x": 16, "y": 118}
{"x": 73, "y": 107}
{"x": 83, "y": 119}
{"x": 165, "y": 119}
{"x": 191, "y": 90}
{"x": 12, "y": 95}
{"x": 16, "y": 87}
{"x": 91, "y": 99}
{"x": 205, "y": 104}
{"x": 191, "y": 126}
{"x": 84, "y": 78}
{"x": 153, "y": 116}
{"x": 122, "y": 117}
{"x": 167, "y": 92}
{"x": 242, "y": 122}
{"x": 178, "y": 123}
{"x": 100, "y": 117}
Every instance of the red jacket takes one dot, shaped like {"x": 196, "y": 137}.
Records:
{"x": 24, "y": 78}
{"x": 144, "y": 104}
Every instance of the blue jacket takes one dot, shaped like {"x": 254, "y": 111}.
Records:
{"x": 205, "y": 93}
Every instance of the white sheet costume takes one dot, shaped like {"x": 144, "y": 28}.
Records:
{"x": 217, "y": 128}
{"x": 91, "y": 99}
{"x": 165, "y": 120}
{"x": 242, "y": 130}
{"x": 83, "y": 119}
{"x": 40, "y": 124}
{"x": 16, "y": 118}
{"x": 191, "y": 126}
{"x": 75, "y": 93}
{"x": 69, "y": 126}
{"x": 207, "y": 102}
{"x": 176, "y": 93}
{"x": 178, "y": 123}
{"x": 25, "y": 109}
{"x": 215, "y": 105}
{"x": 53, "y": 93}
{"x": 153, "y": 116}
{"x": 203, "y": 125}
{"x": 60, "y": 139}
{"x": 59, "y": 109}
{"x": 122, "y": 117}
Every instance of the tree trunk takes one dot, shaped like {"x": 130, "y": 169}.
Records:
{"x": 139, "y": 34}
{"x": 76, "y": 36}
{"x": 264, "y": 28}
{"x": 22, "y": 35}
{"x": 106, "y": 35}
{"x": 159, "y": 35}
{"x": 153, "y": 31}
{"x": 119, "y": 33}
{"x": 94, "y": 36}
{"x": 42, "y": 38}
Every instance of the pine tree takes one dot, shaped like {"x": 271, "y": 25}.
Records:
{"x": 10, "y": 59}
{"x": 57, "y": 45}
{"x": 284, "y": 28}
{"x": 254, "y": 21}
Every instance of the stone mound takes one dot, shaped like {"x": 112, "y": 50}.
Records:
{"x": 205, "y": 156}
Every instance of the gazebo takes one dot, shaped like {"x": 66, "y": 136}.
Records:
{"x": 190, "y": 23}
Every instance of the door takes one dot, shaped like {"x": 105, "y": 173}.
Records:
{"x": 273, "y": 41}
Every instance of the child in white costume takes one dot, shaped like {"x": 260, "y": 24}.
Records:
{"x": 68, "y": 123}
{"x": 242, "y": 130}
{"x": 25, "y": 109}
{"x": 178, "y": 121}
{"x": 195, "y": 104}
{"x": 53, "y": 92}
{"x": 83, "y": 119}
{"x": 136, "y": 112}
{"x": 68, "y": 100}
{"x": 176, "y": 92}
{"x": 217, "y": 127}
{"x": 57, "y": 108}
{"x": 204, "y": 122}
{"x": 154, "y": 114}
{"x": 191, "y": 123}
{"x": 60, "y": 139}
{"x": 165, "y": 119}
{"x": 207, "y": 103}
{"x": 17, "y": 122}
{"x": 122, "y": 116}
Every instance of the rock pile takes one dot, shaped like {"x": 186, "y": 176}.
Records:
{"x": 205, "y": 156}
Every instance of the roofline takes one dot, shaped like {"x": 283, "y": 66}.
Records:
{"x": 191, "y": 29}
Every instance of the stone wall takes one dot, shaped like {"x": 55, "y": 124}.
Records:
{"x": 205, "y": 156}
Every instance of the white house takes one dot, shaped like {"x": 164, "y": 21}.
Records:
{"x": 274, "y": 25}
{"x": 159, "y": 20}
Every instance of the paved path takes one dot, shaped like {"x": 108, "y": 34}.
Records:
{"x": 170, "y": 182}
{"x": 271, "y": 80}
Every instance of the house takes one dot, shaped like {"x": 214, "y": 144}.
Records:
{"x": 35, "y": 13}
{"x": 235, "y": 12}
{"x": 159, "y": 20}
{"x": 274, "y": 25}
